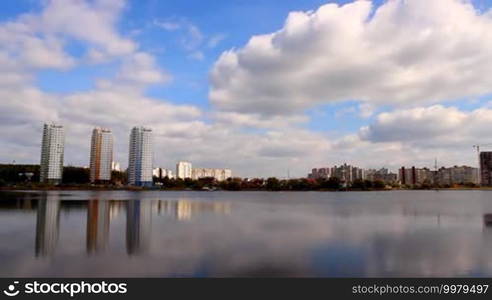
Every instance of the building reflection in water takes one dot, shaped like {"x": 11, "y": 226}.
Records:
{"x": 487, "y": 220}
{"x": 47, "y": 225}
{"x": 101, "y": 212}
{"x": 184, "y": 210}
{"x": 138, "y": 226}
{"x": 98, "y": 219}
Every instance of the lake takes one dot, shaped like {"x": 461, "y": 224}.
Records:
{"x": 245, "y": 234}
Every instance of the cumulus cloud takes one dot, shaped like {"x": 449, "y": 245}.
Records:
{"x": 140, "y": 67}
{"x": 400, "y": 53}
{"x": 258, "y": 120}
{"x": 37, "y": 40}
{"x": 435, "y": 125}
{"x": 420, "y": 135}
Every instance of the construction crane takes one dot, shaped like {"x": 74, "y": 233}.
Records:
{"x": 477, "y": 147}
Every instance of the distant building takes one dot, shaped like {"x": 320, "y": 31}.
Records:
{"x": 115, "y": 166}
{"x": 101, "y": 155}
{"x": 140, "y": 157}
{"x": 218, "y": 174}
{"x": 183, "y": 170}
{"x": 162, "y": 173}
{"x": 415, "y": 176}
{"x": 444, "y": 176}
{"x": 457, "y": 175}
{"x": 346, "y": 173}
{"x": 382, "y": 174}
{"x": 318, "y": 173}
{"x": 486, "y": 168}
{"x": 52, "y": 149}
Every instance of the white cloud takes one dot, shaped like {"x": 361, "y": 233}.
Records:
{"x": 167, "y": 25}
{"x": 194, "y": 38}
{"x": 140, "y": 67}
{"x": 434, "y": 126}
{"x": 215, "y": 40}
{"x": 191, "y": 37}
{"x": 401, "y": 53}
{"x": 197, "y": 55}
{"x": 257, "y": 120}
{"x": 93, "y": 22}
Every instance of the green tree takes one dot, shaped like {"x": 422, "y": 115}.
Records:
{"x": 378, "y": 184}
{"x": 273, "y": 184}
{"x": 76, "y": 175}
{"x": 333, "y": 183}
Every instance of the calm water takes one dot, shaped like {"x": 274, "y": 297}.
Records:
{"x": 403, "y": 233}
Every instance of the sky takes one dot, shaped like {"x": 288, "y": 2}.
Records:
{"x": 266, "y": 88}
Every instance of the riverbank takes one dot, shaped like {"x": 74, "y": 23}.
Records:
{"x": 157, "y": 188}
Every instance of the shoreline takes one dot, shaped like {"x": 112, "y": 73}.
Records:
{"x": 138, "y": 189}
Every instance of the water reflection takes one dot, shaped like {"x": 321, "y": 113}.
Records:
{"x": 138, "y": 226}
{"x": 139, "y": 217}
{"x": 487, "y": 220}
{"x": 47, "y": 225}
{"x": 265, "y": 234}
{"x": 98, "y": 218}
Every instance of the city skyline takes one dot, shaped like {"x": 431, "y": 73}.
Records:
{"x": 315, "y": 83}
{"x": 142, "y": 172}
{"x": 141, "y": 169}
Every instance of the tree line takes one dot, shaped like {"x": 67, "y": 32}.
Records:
{"x": 28, "y": 175}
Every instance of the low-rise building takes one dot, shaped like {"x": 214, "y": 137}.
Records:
{"x": 162, "y": 173}
{"x": 382, "y": 174}
{"x": 218, "y": 174}
{"x": 183, "y": 170}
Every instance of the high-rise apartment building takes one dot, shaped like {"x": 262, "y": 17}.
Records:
{"x": 140, "y": 157}
{"x": 457, "y": 175}
{"x": 183, "y": 170}
{"x": 486, "y": 168}
{"x": 382, "y": 174}
{"x": 415, "y": 176}
{"x": 101, "y": 155}
{"x": 346, "y": 173}
{"x": 318, "y": 173}
{"x": 52, "y": 148}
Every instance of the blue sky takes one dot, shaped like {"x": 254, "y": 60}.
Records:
{"x": 329, "y": 87}
{"x": 234, "y": 21}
